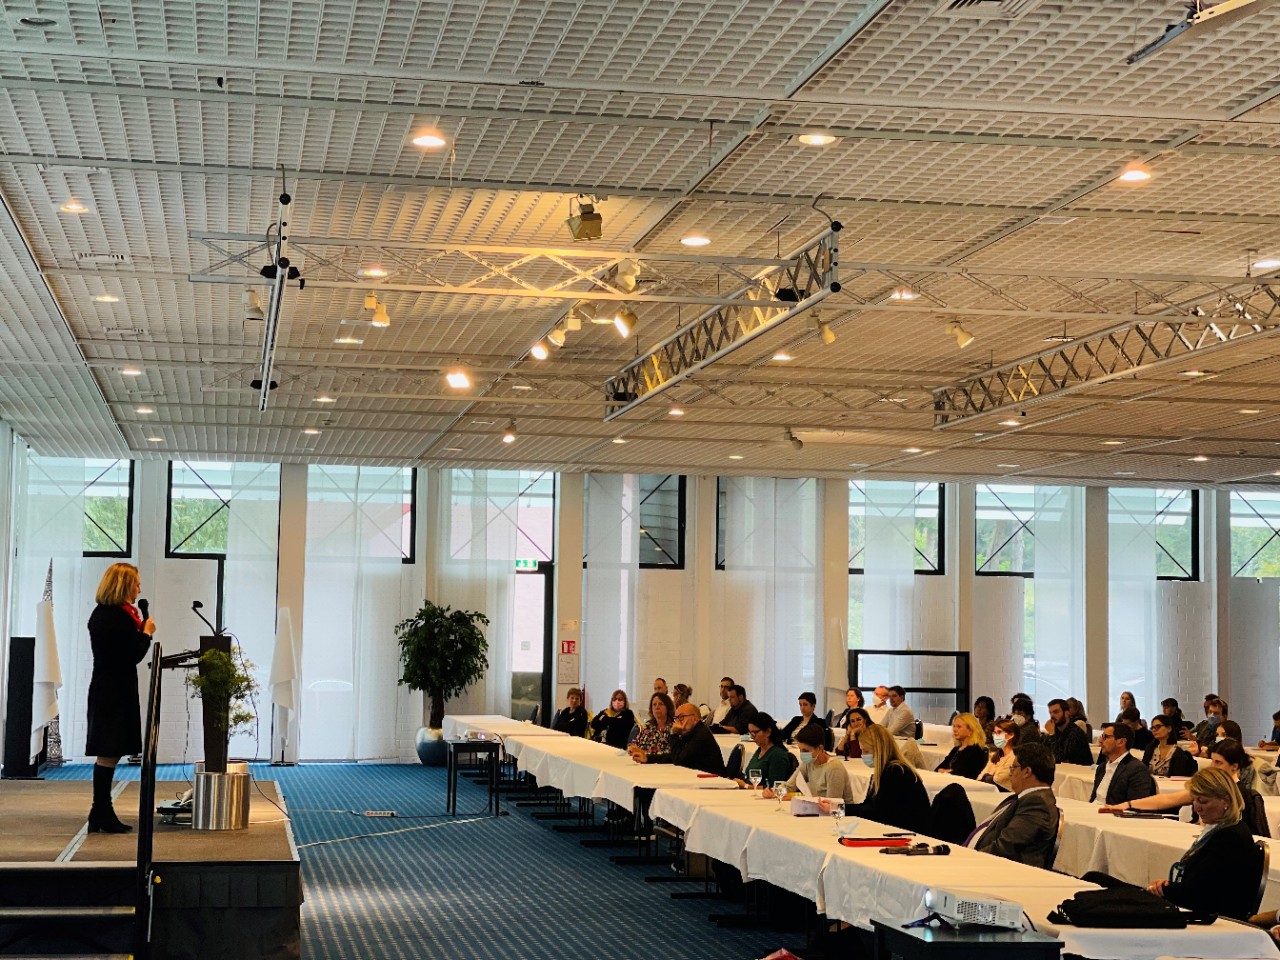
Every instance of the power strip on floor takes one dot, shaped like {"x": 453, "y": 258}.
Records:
{"x": 379, "y": 813}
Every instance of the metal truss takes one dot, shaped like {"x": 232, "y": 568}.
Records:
{"x": 808, "y": 278}
{"x": 1122, "y": 351}
{"x": 496, "y": 270}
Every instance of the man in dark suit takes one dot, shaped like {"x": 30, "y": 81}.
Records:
{"x": 692, "y": 744}
{"x": 1120, "y": 776}
{"x": 1025, "y": 827}
{"x": 1067, "y": 741}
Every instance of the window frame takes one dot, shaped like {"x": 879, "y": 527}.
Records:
{"x": 941, "y": 569}
{"x": 681, "y": 517}
{"x": 1275, "y": 532}
{"x": 128, "y": 541}
{"x": 1196, "y": 546}
{"x": 1025, "y": 574}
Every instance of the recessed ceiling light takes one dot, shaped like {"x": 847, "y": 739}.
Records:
{"x": 903, "y": 293}
{"x": 735, "y": 456}
{"x": 1010, "y": 423}
{"x": 107, "y": 298}
{"x": 1275, "y": 473}
{"x": 348, "y": 340}
{"x": 1135, "y": 173}
{"x": 1125, "y": 473}
{"x": 41, "y": 22}
{"x": 324, "y": 398}
{"x": 1270, "y": 263}
{"x": 452, "y": 449}
{"x": 130, "y": 372}
{"x": 311, "y": 431}
{"x": 521, "y": 386}
{"x": 430, "y": 140}
{"x": 619, "y": 439}
{"x": 143, "y": 410}
{"x": 695, "y": 240}
{"x": 782, "y": 356}
{"x": 1248, "y": 411}
{"x": 1112, "y": 443}
{"x": 912, "y": 450}
{"x": 1195, "y": 373}
{"x": 375, "y": 272}
{"x": 859, "y": 464}
{"x": 1201, "y": 458}
{"x": 155, "y": 439}
{"x": 676, "y": 412}
{"x": 816, "y": 139}
{"x": 1008, "y": 466}
{"x": 73, "y": 206}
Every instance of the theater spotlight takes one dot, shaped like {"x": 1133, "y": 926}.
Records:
{"x": 557, "y": 336}
{"x": 963, "y": 337}
{"x": 253, "y": 305}
{"x": 625, "y": 321}
{"x": 509, "y": 434}
{"x": 824, "y": 331}
{"x": 586, "y": 224}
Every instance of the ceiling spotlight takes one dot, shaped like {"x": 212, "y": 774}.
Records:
{"x": 626, "y": 275}
{"x": 735, "y": 456}
{"x": 539, "y": 351}
{"x": 143, "y": 410}
{"x": 676, "y": 412}
{"x": 586, "y": 224}
{"x": 348, "y": 340}
{"x": 374, "y": 272}
{"x": 619, "y": 439}
{"x": 816, "y": 138}
{"x": 458, "y": 378}
{"x": 509, "y": 434}
{"x": 1270, "y": 263}
{"x": 1113, "y": 443}
{"x": 155, "y": 439}
{"x": 381, "y": 318}
{"x": 557, "y": 336}
{"x": 1194, "y": 374}
{"x": 695, "y": 240}
{"x": 1201, "y": 458}
{"x": 591, "y": 312}
{"x": 1010, "y": 423}
{"x": 430, "y": 140}
{"x": 311, "y": 431}
{"x": 371, "y": 301}
{"x": 782, "y": 356}
{"x": 824, "y": 331}
{"x": 1135, "y": 173}
{"x": 912, "y": 450}
{"x": 625, "y": 321}
{"x": 253, "y": 305}
{"x": 324, "y": 398}
{"x": 107, "y": 298}
{"x": 903, "y": 293}
{"x": 130, "y": 372}
{"x": 792, "y": 439}
{"x": 73, "y": 206}
{"x": 1248, "y": 411}
{"x": 963, "y": 337}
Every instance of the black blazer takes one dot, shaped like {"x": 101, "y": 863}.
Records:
{"x": 115, "y": 713}
{"x": 964, "y": 761}
{"x": 1023, "y": 829}
{"x": 1132, "y": 781}
{"x": 1222, "y": 876}
{"x": 697, "y": 750}
{"x": 900, "y": 802}
{"x": 615, "y": 731}
{"x": 1181, "y": 764}
{"x": 789, "y": 731}
{"x": 572, "y": 722}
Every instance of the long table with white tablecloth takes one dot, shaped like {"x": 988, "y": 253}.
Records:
{"x": 802, "y": 855}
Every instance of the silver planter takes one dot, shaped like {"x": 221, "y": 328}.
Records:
{"x": 221, "y": 800}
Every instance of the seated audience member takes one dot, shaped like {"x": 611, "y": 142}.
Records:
{"x": 1273, "y": 742}
{"x": 1025, "y": 826}
{"x": 808, "y": 701}
{"x": 692, "y": 745}
{"x": 1066, "y": 741}
{"x": 654, "y": 738}
{"x": 1075, "y": 712}
{"x": 879, "y": 705}
{"x": 660, "y": 686}
{"x": 1126, "y": 702}
{"x": 969, "y": 754}
{"x": 723, "y": 706}
{"x": 1227, "y": 756}
{"x": 681, "y": 693}
{"x": 613, "y": 724}
{"x": 1169, "y": 707}
{"x": 1024, "y": 715}
{"x": 1206, "y": 731}
{"x": 1141, "y": 735}
{"x": 851, "y": 746}
{"x": 823, "y": 773}
{"x": 896, "y": 796}
{"x": 1163, "y": 756}
{"x": 572, "y": 719}
{"x": 1259, "y": 774}
{"x": 852, "y": 700}
{"x": 741, "y": 712}
{"x": 1220, "y": 872}
{"x": 771, "y": 758}
{"x": 909, "y": 750}
{"x": 984, "y": 711}
{"x": 999, "y": 768}
{"x": 899, "y": 721}
{"x": 1119, "y": 776}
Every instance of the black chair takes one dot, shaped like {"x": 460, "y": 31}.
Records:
{"x": 1264, "y": 852}
{"x": 533, "y": 714}
{"x": 829, "y": 717}
{"x": 792, "y": 762}
{"x": 951, "y": 817}
{"x": 919, "y": 729}
{"x": 733, "y": 766}
{"x": 829, "y": 738}
{"x": 1057, "y": 841}
{"x": 635, "y": 732}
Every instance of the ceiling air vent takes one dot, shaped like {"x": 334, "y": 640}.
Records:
{"x": 987, "y": 9}
{"x": 102, "y": 258}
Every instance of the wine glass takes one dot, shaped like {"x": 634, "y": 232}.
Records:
{"x": 780, "y": 791}
{"x": 837, "y": 814}
{"x": 755, "y": 776}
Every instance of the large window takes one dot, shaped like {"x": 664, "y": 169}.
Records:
{"x": 1004, "y": 542}
{"x": 1255, "y": 533}
{"x": 108, "y": 508}
{"x": 201, "y": 498}
{"x": 1175, "y": 520}
{"x": 926, "y": 509}
{"x": 662, "y": 521}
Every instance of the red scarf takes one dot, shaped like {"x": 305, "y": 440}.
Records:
{"x": 133, "y": 612}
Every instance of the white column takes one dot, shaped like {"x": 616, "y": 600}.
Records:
{"x": 700, "y": 555}
{"x": 570, "y": 527}
{"x": 959, "y": 534}
{"x": 1217, "y": 569}
{"x": 1097, "y": 658}
{"x": 290, "y": 580}
{"x": 6, "y": 543}
{"x": 831, "y": 667}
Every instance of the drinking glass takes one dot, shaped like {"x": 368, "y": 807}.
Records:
{"x": 756, "y": 776}
{"x": 780, "y": 791}
{"x": 837, "y": 814}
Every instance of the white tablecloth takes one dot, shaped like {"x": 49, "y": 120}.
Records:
{"x": 1074, "y": 781}
{"x": 456, "y": 727}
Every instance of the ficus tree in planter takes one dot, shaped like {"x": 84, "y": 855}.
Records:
{"x": 226, "y": 691}
{"x": 442, "y": 652}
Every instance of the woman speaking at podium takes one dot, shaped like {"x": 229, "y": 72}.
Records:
{"x": 120, "y": 637}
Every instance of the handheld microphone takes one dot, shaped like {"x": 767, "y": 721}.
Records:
{"x": 142, "y": 607}
{"x": 919, "y": 850}
{"x": 196, "y": 607}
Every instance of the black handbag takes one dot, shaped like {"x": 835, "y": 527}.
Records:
{"x": 1124, "y": 907}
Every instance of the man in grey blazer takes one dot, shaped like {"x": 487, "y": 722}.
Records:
{"x": 1025, "y": 826}
{"x": 1120, "y": 776}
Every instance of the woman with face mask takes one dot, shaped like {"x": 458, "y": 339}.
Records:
{"x": 824, "y": 774}
{"x": 1024, "y": 715}
{"x": 895, "y": 796}
{"x": 613, "y": 724}
{"x": 999, "y": 768}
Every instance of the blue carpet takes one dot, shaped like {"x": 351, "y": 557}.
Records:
{"x": 471, "y": 886}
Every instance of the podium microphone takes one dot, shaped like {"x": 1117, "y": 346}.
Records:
{"x": 142, "y": 608}
{"x": 196, "y": 607}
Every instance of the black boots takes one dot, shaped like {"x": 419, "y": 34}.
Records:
{"x": 102, "y": 816}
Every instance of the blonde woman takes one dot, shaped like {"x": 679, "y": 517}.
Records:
{"x": 120, "y": 638}
{"x": 969, "y": 754}
{"x": 895, "y": 796}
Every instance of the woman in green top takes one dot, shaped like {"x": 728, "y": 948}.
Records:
{"x": 771, "y": 757}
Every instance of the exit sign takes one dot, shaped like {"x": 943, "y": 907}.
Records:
{"x": 526, "y": 564}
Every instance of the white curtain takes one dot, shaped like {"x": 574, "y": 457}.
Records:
{"x": 249, "y": 584}
{"x": 888, "y": 592}
{"x": 1132, "y": 596}
{"x": 476, "y": 535}
{"x": 610, "y": 659}
{"x": 357, "y": 589}
{"x": 1058, "y": 566}
{"x": 49, "y": 525}
{"x": 771, "y": 589}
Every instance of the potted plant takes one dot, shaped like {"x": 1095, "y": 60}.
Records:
{"x": 442, "y": 653}
{"x": 226, "y": 691}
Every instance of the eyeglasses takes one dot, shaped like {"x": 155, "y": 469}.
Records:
{"x": 753, "y": 733}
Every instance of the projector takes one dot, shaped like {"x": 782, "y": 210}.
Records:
{"x": 959, "y": 907}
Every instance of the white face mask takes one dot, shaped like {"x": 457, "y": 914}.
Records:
{"x": 1000, "y": 740}
{"x": 1019, "y": 719}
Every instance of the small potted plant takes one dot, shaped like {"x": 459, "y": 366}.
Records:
{"x": 226, "y": 691}
{"x": 442, "y": 653}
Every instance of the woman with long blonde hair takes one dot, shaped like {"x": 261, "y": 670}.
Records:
{"x": 120, "y": 638}
{"x": 969, "y": 754}
{"x": 895, "y": 796}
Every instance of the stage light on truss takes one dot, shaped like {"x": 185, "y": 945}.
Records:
{"x": 557, "y": 336}
{"x": 585, "y": 224}
{"x": 509, "y": 433}
{"x": 380, "y": 316}
{"x": 625, "y": 321}
{"x": 824, "y": 331}
{"x": 963, "y": 337}
{"x": 539, "y": 351}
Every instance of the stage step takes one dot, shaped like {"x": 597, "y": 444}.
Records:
{"x": 67, "y": 909}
